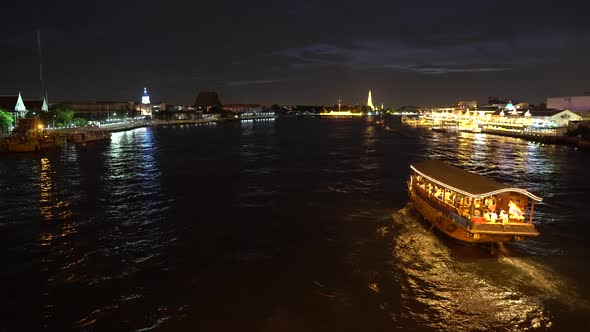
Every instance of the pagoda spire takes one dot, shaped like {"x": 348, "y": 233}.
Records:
{"x": 370, "y": 101}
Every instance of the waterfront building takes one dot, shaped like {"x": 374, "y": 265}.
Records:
{"x": 158, "y": 107}
{"x": 243, "y": 108}
{"x": 466, "y": 105}
{"x": 176, "y": 108}
{"x": 102, "y": 110}
{"x": 306, "y": 110}
{"x": 553, "y": 118}
{"x": 245, "y": 111}
{"x": 574, "y": 103}
{"x": 208, "y": 101}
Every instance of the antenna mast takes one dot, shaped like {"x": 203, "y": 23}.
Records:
{"x": 43, "y": 92}
{"x": 40, "y": 62}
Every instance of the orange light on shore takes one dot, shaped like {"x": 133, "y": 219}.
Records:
{"x": 40, "y": 126}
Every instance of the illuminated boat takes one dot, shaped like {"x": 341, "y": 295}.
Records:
{"x": 469, "y": 127}
{"x": 469, "y": 207}
{"x": 89, "y": 136}
{"x": 416, "y": 122}
{"x": 445, "y": 127}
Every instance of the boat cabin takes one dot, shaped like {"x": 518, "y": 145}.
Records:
{"x": 476, "y": 203}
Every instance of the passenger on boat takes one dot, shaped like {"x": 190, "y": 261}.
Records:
{"x": 439, "y": 194}
{"x": 477, "y": 203}
{"x": 486, "y": 216}
{"x": 467, "y": 201}
{"x": 477, "y": 218}
{"x": 503, "y": 216}
{"x": 493, "y": 217}
{"x": 492, "y": 206}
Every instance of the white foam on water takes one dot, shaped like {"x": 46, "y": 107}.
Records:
{"x": 444, "y": 293}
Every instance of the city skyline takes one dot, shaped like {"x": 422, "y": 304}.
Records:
{"x": 299, "y": 53}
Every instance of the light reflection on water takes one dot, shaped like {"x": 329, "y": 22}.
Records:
{"x": 264, "y": 223}
{"x": 462, "y": 295}
{"x": 527, "y": 289}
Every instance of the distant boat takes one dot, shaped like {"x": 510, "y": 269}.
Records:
{"x": 416, "y": 121}
{"x": 469, "y": 207}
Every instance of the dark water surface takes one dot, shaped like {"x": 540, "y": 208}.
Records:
{"x": 286, "y": 225}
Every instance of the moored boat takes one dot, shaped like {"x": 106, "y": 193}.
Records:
{"x": 22, "y": 144}
{"x": 89, "y": 136}
{"x": 416, "y": 121}
{"x": 469, "y": 127}
{"x": 469, "y": 207}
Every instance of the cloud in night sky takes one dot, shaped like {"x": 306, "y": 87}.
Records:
{"x": 299, "y": 52}
{"x": 240, "y": 83}
{"x": 497, "y": 55}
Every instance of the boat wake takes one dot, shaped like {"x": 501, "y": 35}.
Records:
{"x": 444, "y": 293}
{"x": 544, "y": 279}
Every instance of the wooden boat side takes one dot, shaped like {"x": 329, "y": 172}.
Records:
{"x": 466, "y": 231}
{"x": 22, "y": 146}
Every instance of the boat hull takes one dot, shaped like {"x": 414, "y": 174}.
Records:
{"x": 81, "y": 138}
{"x": 26, "y": 146}
{"x": 473, "y": 233}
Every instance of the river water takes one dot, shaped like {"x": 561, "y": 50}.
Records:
{"x": 298, "y": 224}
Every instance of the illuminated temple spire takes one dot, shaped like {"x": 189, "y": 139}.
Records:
{"x": 370, "y": 101}
{"x": 145, "y": 99}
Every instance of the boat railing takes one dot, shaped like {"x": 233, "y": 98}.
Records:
{"x": 450, "y": 210}
{"x": 460, "y": 214}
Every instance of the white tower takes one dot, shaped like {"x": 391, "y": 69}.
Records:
{"x": 145, "y": 99}
{"x": 370, "y": 101}
{"x": 145, "y": 108}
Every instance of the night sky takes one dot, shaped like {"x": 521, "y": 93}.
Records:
{"x": 298, "y": 52}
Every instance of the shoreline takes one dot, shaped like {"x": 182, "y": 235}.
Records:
{"x": 150, "y": 123}
{"x": 546, "y": 139}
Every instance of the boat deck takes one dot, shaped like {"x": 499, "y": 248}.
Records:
{"x": 516, "y": 228}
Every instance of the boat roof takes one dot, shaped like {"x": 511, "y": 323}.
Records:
{"x": 463, "y": 182}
